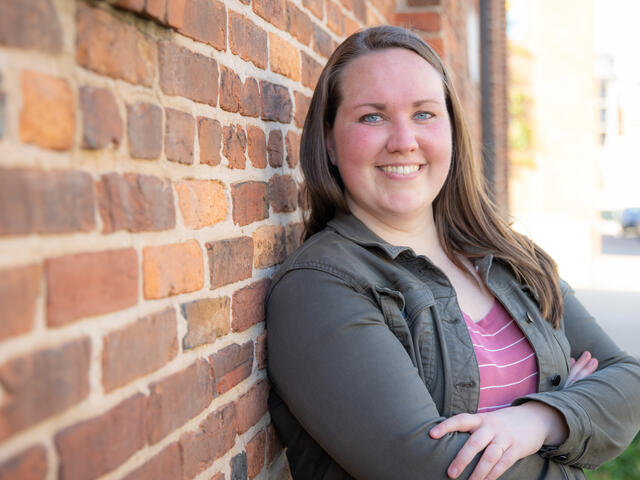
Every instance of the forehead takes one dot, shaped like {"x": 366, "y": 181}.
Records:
{"x": 392, "y": 73}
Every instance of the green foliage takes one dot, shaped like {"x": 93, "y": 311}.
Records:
{"x": 625, "y": 467}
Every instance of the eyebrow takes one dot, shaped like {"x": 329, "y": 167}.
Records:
{"x": 382, "y": 106}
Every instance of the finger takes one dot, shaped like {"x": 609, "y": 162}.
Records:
{"x": 507, "y": 460}
{"x": 572, "y": 362}
{"x": 464, "y": 422}
{"x": 492, "y": 455}
{"x": 588, "y": 369}
{"x": 474, "y": 445}
{"x": 577, "y": 367}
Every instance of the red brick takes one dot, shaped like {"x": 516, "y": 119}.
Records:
{"x": 19, "y": 290}
{"x": 234, "y": 145}
{"x": 166, "y": 465}
{"x": 270, "y": 246}
{"x": 230, "y": 90}
{"x": 138, "y": 349}
{"x": 350, "y": 26}
{"x": 178, "y": 398}
{"x": 276, "y": 102}
{"x": 292, "y": 142}
{"x": 283, "y": 193}
{"x": 252, "y": 406}
{"x": 274, "y": 446}
{"x": 144, "y": 130}
{"x": 207, "y": 319}
{"x": 98, "y": 445}
{"x": 213, "y": 438}
{"x": 32, "y": 385}
{"x": 29, "y": 464}
{"x": 294, "y": 232}
{"x": 275, "y": 149}
{"x": 231, "y": 365}
{"x": 220, "y": 476}
{"x": 47, "y": 118}
{"x": 133, "y": 5}
{"x": 230, "y": 260}
{"x": 175, "y": 13}
{"x": 255, "y": 454}
{"x": 101, "y": 122}
{"x": 205, "y": 21}
{"x": 425, "y": 21}
{"x": 310, "y": 71}
{"x": 87, "y": 284}
{"x": 273, "y": 11}
{"x": 437, "y": 43}
{"x": 156, "y": 9}
{"x": 315, "y": 6}
{"x": 360, "y": 10}
{"x": 283, "y": 57}
{"x": 32, "y": 24}
{"x": 257, "y": 146}
{"x": 302, "y": 105}
{"x": 248, "y": 305}
{"x": 202, "y": 202}
{"x": 249, "y": 200}
{"x": 111, "y": 47}
{"x": 247, "y": 40}
{"x": 299, "y": 24}
{"x": 322, "y": 42}
{"x": 179, "y": 135}
{"x": 261, "y": 350}
{"x": 335, "y": 18}
{"x": 210, "y": 139}
{"x": 133, "y": 202}
{"x": 3, "y": 99}
{"x": 172, "y": 269}
{"x": 182, "y": 73}
{"x": 250, "y": 98}
{"x": 424, "y": 3}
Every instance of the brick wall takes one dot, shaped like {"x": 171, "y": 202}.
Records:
{"x": 149, "y": 187}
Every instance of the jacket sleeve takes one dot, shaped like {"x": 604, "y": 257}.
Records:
{"x": 351, "y": 385}
{"x": 602, "y": 410}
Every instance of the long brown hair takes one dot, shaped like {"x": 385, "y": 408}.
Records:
{"x": 466, "y": 219}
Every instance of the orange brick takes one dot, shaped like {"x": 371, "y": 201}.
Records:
{"x": 269, "y": 246}
{"x": 310, "y": 71}
{"x": 302, "y": 105}
{"x": 47, "y": 118}
{"x": 335, "y": 18}
{"x": 316, "y": 7}
{"x": 202, "y": 202}
{"x": 249, "y": 200}
{"x": 207, "y": 319}
{"x": 292, "y": 143}
{"x": 172, "y": 269}
{"x": 425, "y": 21}
{"x": 206, "y": 21}
{"x": 19, "y": 289}
{"x": 299, "y": 24}
{"x": 273, "y": 11}
{"x": 257, "y": 146}
{"x": 210, "y": 139}
{"x": 284, "y": 57}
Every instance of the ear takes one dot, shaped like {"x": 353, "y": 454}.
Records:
{"x": 331, "y": 147}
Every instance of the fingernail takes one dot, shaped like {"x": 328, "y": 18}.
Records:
{"x": 435, "y": 431}
{"x": 453, "y": 472}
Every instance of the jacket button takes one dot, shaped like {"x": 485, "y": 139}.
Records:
{"x": 555, "y": 380}
{"x": 528, "y": 317}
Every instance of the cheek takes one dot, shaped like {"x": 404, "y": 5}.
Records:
{"x": 358, "y": 144}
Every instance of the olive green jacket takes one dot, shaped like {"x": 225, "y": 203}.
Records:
{"x": 368, "y": 350}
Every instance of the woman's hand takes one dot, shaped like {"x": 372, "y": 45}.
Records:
{"x": 511, "y": 433}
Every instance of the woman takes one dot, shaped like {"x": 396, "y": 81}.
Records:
{"x": 390, "y": 329}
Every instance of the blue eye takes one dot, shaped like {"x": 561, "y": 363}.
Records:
{"x": 423, "y": 115}
{"x": 371, "y": 118}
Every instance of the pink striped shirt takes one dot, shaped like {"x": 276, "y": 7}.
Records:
{"x": 507, "y": 363}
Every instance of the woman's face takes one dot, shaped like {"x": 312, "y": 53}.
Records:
{"x": 391, "y": 139}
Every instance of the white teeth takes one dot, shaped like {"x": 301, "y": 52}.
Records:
{"x": 401, "y": 169}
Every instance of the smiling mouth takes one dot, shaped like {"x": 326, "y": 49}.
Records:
{"x": 400, "y": 169}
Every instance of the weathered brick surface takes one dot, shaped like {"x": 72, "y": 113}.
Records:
{"x": 239, "y": 466}
{"x": 299, "y": 24}
{"x": 234, "y": 145}
{"x": 315, "y": 6}
{"x": 257, "y": 146}
{"x": 37, "y": 201}
{"x": 29, "y": 464}
{"x": 273, "y": 11}
{"x": 207, "y": 319}
{"x": 252, "y": 406}
{"x": 292, "y": 143}
{"x": 283, "y": 57}
{"x": 247, "y": 40}
{"x": 230, "y": 89}
{"x": 275, "y": 148}
{"x": 101, "y": 122}
{"x": 139, "y": 348}
{"x": 360, "y": 10}
{"x": 322, "y": 42}
{"x": 250, "y": 98}
{"x": 425, "y": 21}
{"x": 255, "y": 453}
{"x": 156, "y": 9}
{"x": 202, "y": 202}
{"x": 136, "y": 203}
{"x": 206, "y": 21}
{"x": 144, "y": 130}
{"x": 283, "y": 193}
{"x": 47, "y": 118}
{"x": 178, "y": 136}
{"x": 230, "y": 260}
{"x": 133, "y": 5}
{"x": 31, "y": 385}
{"x": 335, "y": 18}
{"x": 172, "y": 269}
{"x": 276, "y": 102}
{"x": 168, "y": 406}
{"x": 231, "y": 365}
{"x": 182, "y": 72}
{"x": 3, "y": 101}
{"x": 111, "y": 47}
{"x": 261, "y": 351}
{"x": 210, "y": 140}
{"x": 269, "y": 247}
{"x": 166, "y": 465}
{"x": 32, "y": 24}
{"x": 214, "y": 436}
{"x": 302, "y": 105}
{"x": 87, "y": 284}
{"x": 19, "y": 290}
{"x": 98, "y": 445}
{"x": 274, "y": 446}
{"x": 310, "y": 70}
{"x": 249, "y": 201}
{"x": 294, "y": 236}
{"x": 248, "y": 305}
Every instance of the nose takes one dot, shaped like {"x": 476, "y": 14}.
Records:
{"x": 402, "y": 137}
